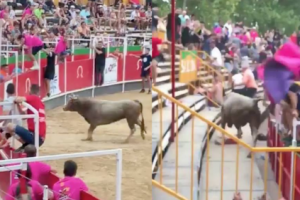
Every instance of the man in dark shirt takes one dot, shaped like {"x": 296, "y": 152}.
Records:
{"x": 177, "y": 27}
{"x": 146, "y": 59}
{"x": 100, "y": 56}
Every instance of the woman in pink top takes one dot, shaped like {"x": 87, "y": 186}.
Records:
{"x": 32, "y": 45}
{"x": 33, "y": 188}
{"x": 248, "y": 78}
{"x": 61, "y": 48}
{"x": 70, "y": 186}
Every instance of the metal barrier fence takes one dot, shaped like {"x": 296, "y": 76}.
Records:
{"x": 239, "y": 144}
{"x": 9, "y": 166}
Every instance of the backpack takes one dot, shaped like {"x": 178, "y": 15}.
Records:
{"x": 29, "y": 191}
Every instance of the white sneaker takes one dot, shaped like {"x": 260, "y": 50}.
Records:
{"x": 35, "y": 67}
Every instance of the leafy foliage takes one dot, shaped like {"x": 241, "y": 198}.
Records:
{"x": 268, "y": 14}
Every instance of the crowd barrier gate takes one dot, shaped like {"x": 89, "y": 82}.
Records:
{"x": 268, "y": 154}
{"x": 9, "y": 165}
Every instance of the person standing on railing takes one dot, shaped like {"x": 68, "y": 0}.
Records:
{"x": 70, "y": 186}
{"x": 100, "y": 56}
{"x": 50, "y": 67}
{"x": 27, "y": 136}
{"x": 61, "y": 47}
{"x": 32, "y": 45}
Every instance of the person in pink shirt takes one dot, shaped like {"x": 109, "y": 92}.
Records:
{"x": 33, "y": 188}
{"x": 253, "y": 34}
{"x": 61, "y": 48}
{"x": 32, "y": 44}
{"x": 39, "y": 170}
{"x": 70, "y": 186}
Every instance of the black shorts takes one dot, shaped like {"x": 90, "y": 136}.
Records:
{"x": 145, "y": 74}
{"x": 27, "y": 136}
{"x": 169, "y": 36}
{"x": 49, "y": 73}
{"x": 35, "y": 50}
{"x": 250, "y": 92}
{"x": 159, "y": 58}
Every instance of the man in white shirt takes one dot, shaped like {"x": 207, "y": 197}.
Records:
{"x": 216, "y": 56}
{"x": 9, "y": 109}
{"x": 238, "y": 85}
{"x": 228, "y": 25}
{"x": 183, "y": 18}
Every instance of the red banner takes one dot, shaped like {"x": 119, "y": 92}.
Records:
{"x": 79, "y": 74}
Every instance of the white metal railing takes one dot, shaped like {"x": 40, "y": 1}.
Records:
{"x": 23, "y": 161}
{"x": 34, "y": 116}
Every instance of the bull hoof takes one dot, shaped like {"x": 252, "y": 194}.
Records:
{"x": 125, "y": 142}
{"x": 87, "y": 139}
{"x": 262, "y": 137}
{"x": 239, "y": 136}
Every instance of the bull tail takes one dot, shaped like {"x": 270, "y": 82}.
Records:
{"x": 142, "y": 125}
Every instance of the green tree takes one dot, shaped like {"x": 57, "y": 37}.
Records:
{"x": 268, "y": 14}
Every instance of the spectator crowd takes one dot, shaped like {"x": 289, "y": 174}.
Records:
{"x": 37, "y": 26}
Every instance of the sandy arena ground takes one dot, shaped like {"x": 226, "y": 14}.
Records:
{"x": 65, "y": 131}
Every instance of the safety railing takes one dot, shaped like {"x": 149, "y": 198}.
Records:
{"x": 202, "y": 72}
{"x": 12, "y": 166}
{"x": 241, "y": 148}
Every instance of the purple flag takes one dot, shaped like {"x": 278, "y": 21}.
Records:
{"x": 277, "y": 80}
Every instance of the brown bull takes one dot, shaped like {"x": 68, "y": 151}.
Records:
{"x": 240, "y": 110}
{"x": 105, "y": 112}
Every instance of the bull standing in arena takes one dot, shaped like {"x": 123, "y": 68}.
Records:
{"x": 105, "y": 112}
{"x": 239, "y": 110}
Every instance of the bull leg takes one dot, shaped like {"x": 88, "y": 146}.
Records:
{"x": 130, "y": 123}
{"x": 254, "y": 133}
{"x": 239, "y": 132}
{"x": 132, "y": 131}
{"x": 90, "y": 133}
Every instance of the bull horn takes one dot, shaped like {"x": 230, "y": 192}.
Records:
{"x": 258, "y": 100}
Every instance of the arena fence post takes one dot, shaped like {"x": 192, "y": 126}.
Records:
{"x": 72, "y": 48}
{"x": 16, "y": 55}
{"x": 108, "y": 46}
{"x": 119, "y": 176}
{"x": 293, "y": 162}
{"x": 45, "y": 193}
{"x": 23, "y": 60}
{"x": 40, "y": 68}
{"x": 94, "y": 68}
{"x": 90, "y": 49}
{"x": 124, "y": 62}
{"x": 65, "y": 79}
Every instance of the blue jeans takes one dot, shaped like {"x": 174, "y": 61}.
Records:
{"x": 27, "y": 136}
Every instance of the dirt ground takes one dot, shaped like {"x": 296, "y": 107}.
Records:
{"x": 65, "y": 131}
